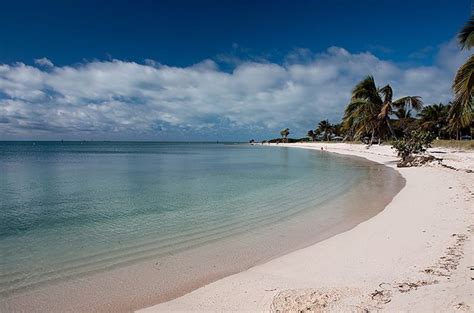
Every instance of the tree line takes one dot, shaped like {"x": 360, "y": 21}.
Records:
{"x": 374, "y": 115}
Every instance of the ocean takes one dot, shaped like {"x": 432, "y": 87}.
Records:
{"x": 122, "y": 225}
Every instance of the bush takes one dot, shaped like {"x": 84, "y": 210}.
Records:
{"x": 413, "y": 143}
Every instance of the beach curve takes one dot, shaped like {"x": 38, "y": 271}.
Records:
{"x": 409, "y": 257}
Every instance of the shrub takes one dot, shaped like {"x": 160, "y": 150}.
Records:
{"x": 413, "y": 143}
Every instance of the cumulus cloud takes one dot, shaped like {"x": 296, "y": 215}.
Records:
{"x": 44, "y": 62}
{"x": 117, "y": 99}
{"x": 450, "y": 57}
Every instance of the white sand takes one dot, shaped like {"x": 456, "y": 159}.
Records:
{"x": 416, "y": 255}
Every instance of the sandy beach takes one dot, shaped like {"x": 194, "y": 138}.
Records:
{"x": 236, "y": 156}
{"x": 416, "y": 255}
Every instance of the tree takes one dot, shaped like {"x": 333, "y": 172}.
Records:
{"x": 311, "y": 134}
{"x": 325, "y": 128}
{"x": 404, "y": 122}
{"x": 284, "y": 133}
{"x": 337, "y": 129}
{"x": 434, "y": 118}
{"x": 466, "y": 34}
{"x": 461, "y": 112}
{"x": 370, "y": 109}
{"x": 414, "y": 142}
{"x": 402, "y": 113}
{"x": 404, "y": 105}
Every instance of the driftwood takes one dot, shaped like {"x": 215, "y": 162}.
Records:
{"x": 416, "y": 160}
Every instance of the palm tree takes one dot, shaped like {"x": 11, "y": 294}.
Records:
{"x": 404, "y": 121}
{"x": 434, "y": 118}
{"x": 370, "y": 109}
{"x": 337, "y": 129}
{"x": 461, "y": 113}
{"x": 404, "y": 104}
{"x": 311, "y": 134}
{"x": 466, "y": 34}
{"x": 402, "y": 113}
{"x": 284, "y": 133}
{"x": 325, "y": 128}
{"x": 360, "y": 115}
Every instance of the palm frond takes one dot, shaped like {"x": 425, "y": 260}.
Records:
{"x": 385, "y": 111}
{"x": 366, "y": 89}
{"x": 466, "y": 34}
{"x": 387, "y": 93}
{"x": 415, "y": 102}
{"x": 461, "y": 115}
{"x": 360, "y": 117}
{"x": 403, "y": 113}
{"x": 464, "y": 82}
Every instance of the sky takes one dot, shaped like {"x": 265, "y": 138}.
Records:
{"x": 213, "y": 70}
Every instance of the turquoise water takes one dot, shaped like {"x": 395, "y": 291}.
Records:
{"x": 69, "y": 209}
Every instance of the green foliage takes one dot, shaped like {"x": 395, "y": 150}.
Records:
{"x": 326, "y": 128}
{"x": 413, "y": 143}
{"x": 337, "y": 129}
{"x": 434, "y": 119}
{"x": 461, "y": 113}
{"x": 287, "y": 140}
{"x": 370, "y": 109}
{"x": 373, "y": 113}
{"x": 466, "y": 34}
{"x": 325, "y": 131}
{"x": 284, "y": 133}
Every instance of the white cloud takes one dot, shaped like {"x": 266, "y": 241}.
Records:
{"x": 118, "y": 99}
{"x": 44, "y": 62}
{"x": 450, "y": 57}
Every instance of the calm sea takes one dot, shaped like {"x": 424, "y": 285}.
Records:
{"x": 70, "y": 211}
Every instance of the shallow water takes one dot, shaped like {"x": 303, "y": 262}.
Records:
{"x": 93, "y": 214}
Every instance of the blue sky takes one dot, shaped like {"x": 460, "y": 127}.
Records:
{"x": 212, "y": 70}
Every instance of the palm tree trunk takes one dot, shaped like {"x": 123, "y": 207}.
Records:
{"x": 391, "y": 129}
{"x": 372, "y": 137}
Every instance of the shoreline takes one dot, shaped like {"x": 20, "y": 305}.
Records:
{"x": 413, "y": 255}
{"x": 156, "y": 279}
